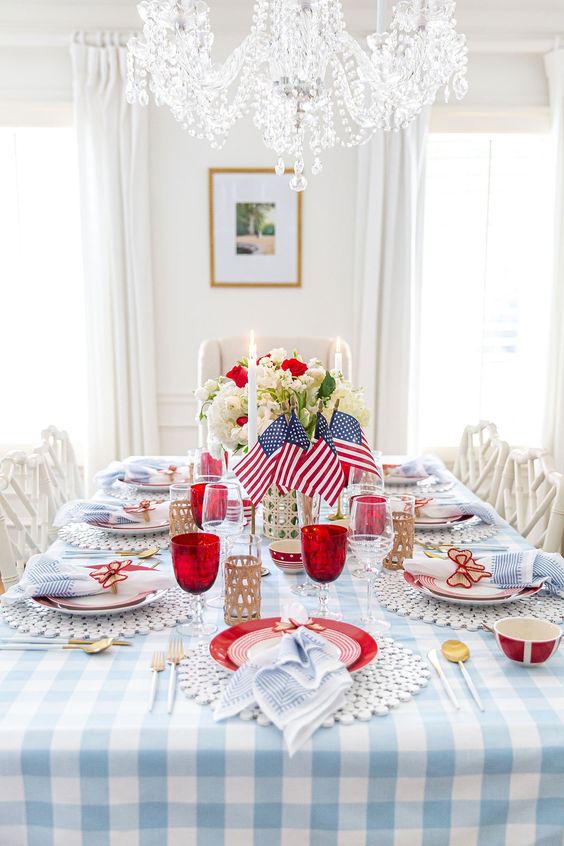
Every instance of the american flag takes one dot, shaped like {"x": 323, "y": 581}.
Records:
{"x": 350, "y": 442}
{"x": 256, "y": 470}
{"x": 320, "y": 471}
{"x": 296, "y": 445}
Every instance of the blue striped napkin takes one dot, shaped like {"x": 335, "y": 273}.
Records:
{"x": 297, "y": 685}
{"x": 526, "y": 568}
{"x": 148, "y": 470}
{"x": 429, "y": 465}
{"x": 485, "y": 512}
{"x": 104, "y": 512}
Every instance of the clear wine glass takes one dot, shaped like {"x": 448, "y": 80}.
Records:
{"x": 195, "y": 561}
{"x": 324, "y": 552}
{"x": 309, "y": 509}
{"x": 371, "y": 538}
{"x": 222, "y": 514}
{"x": 206, "y": 464}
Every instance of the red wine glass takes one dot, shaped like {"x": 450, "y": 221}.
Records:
{"x": 195, "y": 560}
{"x": 324, "y": 552}
{"x": 197, "y": 493}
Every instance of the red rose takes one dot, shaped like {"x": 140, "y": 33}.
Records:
{"x": 296, "y": 367}
{"x": 263, "y": 356}
{"x": 241, "y": 421}
{"x": 239, "y": 375}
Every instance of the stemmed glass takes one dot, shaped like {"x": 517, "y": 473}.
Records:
{"x": 324, "y": 552}
{"x": 195, "y": 560}
{"x": 309, "y": 508}
{"x": 371, "y": 538}
{"x": 207, "y": 465}
{"x": 222, "y": 514}
{"x": 197, "y": 492}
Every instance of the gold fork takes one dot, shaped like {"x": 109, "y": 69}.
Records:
{"x": 174, "y": 656}
{"x": 157, "y": 666}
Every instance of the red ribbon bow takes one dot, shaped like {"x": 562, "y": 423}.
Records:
{"x": 291, "y": 625}
{"x": 468, "y": 572}
{"x": 111, "y": 573}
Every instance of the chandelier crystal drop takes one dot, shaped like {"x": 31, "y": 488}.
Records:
{"x": 307, "y": 82}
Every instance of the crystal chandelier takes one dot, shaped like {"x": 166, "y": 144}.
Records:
{"x": 307, "y": 82}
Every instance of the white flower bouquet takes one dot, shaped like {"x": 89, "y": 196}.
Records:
{"x": 279, "y": 379}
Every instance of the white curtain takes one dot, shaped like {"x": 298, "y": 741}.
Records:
{"x": 387, "y": 280}
{"x": 554, "y": 419}
{"x": 114, "y": 188}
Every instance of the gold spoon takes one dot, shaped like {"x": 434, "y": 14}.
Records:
{"x": 458, "y": 652}
{"x": 92, "y": 648}
{"x": 147, "y": 553}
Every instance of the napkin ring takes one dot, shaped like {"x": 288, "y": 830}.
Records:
{"x": 141, "y": 508}
{"x": 468, "y": 572}
{"x": 291, "y": 625}
{"x": 110, "y": 574}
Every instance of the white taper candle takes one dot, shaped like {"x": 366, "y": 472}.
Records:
{"x": 252, "y": 393}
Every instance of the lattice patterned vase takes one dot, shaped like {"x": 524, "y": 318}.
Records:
{"x": 280, "y": 515}
{"x": 241, "y": 600}
{"x": 404, "y": 535}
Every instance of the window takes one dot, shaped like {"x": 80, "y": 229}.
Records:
{"x": 42, "y": 345}
{"x": 487, "y": 270}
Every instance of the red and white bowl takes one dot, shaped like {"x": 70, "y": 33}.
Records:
{"x": 527, "y": 640}
{"x": 287, "y": 555}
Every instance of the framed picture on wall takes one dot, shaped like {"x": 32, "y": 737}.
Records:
{"x": 255, "y": 229}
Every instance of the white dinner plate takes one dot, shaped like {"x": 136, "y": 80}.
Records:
{"x": 137, "y": 529}
{"x": 434, "y": 524}
{"x": 454, "y": 599}
{"x": 88, "y": 611}
{"x": 253, "y": 643}
{"x": 406, "y": 480}
{"x": 140, "y": 486}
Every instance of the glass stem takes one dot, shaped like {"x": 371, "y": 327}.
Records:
{"x": 370, "y": 595}
{"x": 199, "y": 611}
{"x": 323, "y": 600}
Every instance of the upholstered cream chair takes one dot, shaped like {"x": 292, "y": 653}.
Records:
{"x": 218, "y": 355}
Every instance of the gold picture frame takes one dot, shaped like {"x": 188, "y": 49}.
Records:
{"x": 225, "y": 261}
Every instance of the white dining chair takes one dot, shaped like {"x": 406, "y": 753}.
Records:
{"x": 481, "y": 459}
{"x": 25, "y": 506}
{"x": 218, "y": 355}
{"x": 61, "y": 463}
{"x": 531, "y": 498}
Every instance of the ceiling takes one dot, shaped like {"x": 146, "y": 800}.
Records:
{"x": 490, "y": 25}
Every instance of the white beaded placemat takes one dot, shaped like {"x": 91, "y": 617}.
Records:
{"x": 87, "y": 537}
{"x": 392, "y": 678}
{"x": 455, "y": 536}
{"x": 131, "y": 494}
{"x": 165, "y": 613}
{"x": 396, "y": 595}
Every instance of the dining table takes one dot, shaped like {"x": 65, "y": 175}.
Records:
{"x": 84, "y": 763}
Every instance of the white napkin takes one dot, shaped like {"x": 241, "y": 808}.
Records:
{"x": 521, "y": 568}
{"x": 46, "y": 576}
{"x": 103, "y": 512}
{"x": 297, "y": 684}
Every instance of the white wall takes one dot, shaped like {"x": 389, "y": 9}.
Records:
{"x": 188, "y": 309}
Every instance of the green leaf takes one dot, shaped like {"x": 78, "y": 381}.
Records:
{"x": 327, "y": 387}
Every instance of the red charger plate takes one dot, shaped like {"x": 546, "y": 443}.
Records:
{"x": 222, "y": 641}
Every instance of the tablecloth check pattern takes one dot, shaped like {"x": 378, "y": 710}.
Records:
{"x": 82, "y": 763}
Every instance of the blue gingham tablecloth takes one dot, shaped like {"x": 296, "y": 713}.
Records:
{"x": 82, "y": 763}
